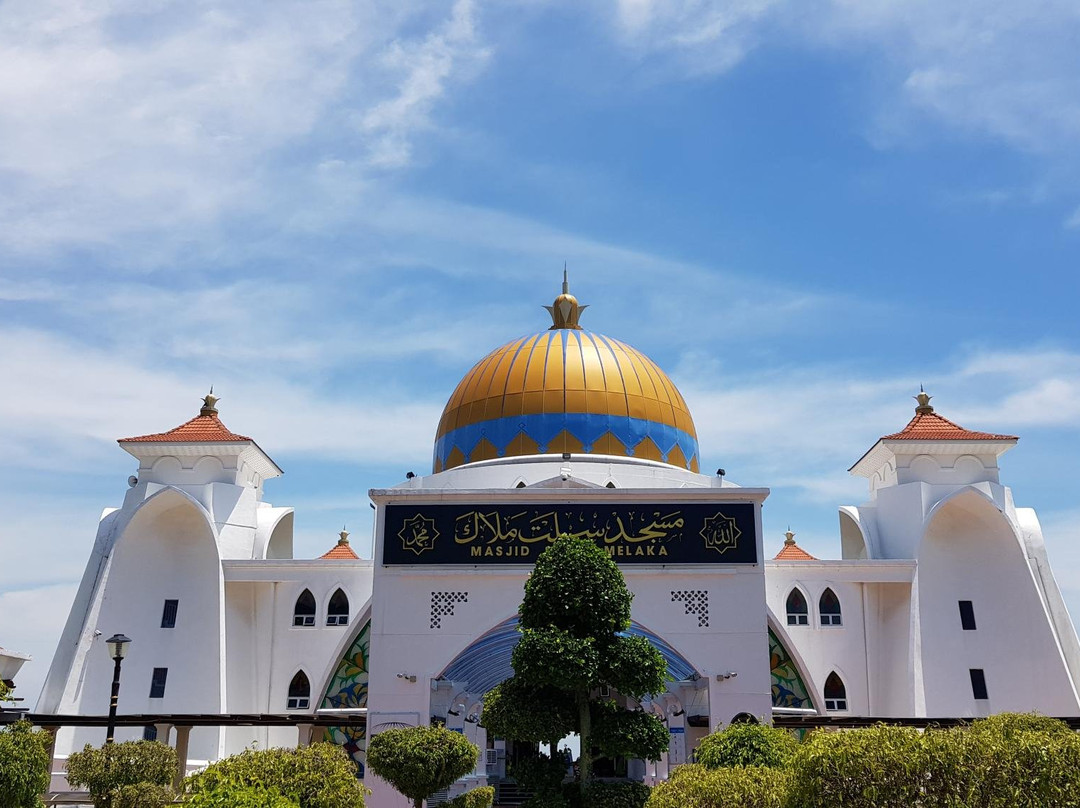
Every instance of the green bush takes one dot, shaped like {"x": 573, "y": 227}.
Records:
{"x": 877, "y": 767}
{"x": 24, "y": 765}
{"x": 418, "y": 761}
{"x": 694, "y": 786}
{"x": 1003, "y": 764}
{"x": 746, "y": 745}
{"x": 477, "y": 798}
{"x": 318, "y": 776}
{"x": 614, "y": 794}
{"x": 105, "y": 771}
{"x": 240, "y": 797}
{"x": 143, "y": 795}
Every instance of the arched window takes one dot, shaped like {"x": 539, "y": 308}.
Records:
{"x": 304, "y": 613}
{"x": 337, "y": 613}
{"x": 835, "y": 693}
{"x": 797, "y": 613}
{"x": 299, "y": 692}
{"x": 829, "y": 609}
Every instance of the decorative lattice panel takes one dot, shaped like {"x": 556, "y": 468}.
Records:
{"x": 696, "y": 602}
{"x": 442, "y": 605}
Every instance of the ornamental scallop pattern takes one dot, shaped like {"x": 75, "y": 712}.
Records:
{"x": 696, "y": 602}
{"x": 442, "y": 605}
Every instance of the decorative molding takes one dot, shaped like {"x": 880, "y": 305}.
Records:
{"x": 696, "y": 602}
{"x": 442, "y": 604}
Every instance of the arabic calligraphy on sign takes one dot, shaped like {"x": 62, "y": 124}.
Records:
{"x": 530, "y": 527}
{"x": 720, "y": 533}
{"x": 418, "y": 534}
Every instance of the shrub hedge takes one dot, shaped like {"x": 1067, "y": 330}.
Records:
{"x": 318, "y": 776}
{"x": 695, "y": 786}
{"x": 1007, "y": 761}
{"x": 477, "y": 798}
{"x": 746, "y": 745}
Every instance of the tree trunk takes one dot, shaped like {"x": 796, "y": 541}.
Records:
{"x": 418, "y": 802}
{"x": 584, "y": 736}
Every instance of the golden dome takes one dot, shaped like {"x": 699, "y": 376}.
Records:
{"x": 566, "y": 390}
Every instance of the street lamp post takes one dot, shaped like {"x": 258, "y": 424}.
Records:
{"x": 117, "y": 645}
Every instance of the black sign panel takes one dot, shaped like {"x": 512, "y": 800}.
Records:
{"x": 673, "y": 533}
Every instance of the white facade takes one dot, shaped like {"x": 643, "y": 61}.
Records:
{"x": 939, "y": 529}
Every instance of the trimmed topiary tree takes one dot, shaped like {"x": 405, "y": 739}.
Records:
{"x": 746, "y": 745}
{"x": 321, "y": 775}
{"x": 694, "y": 786}
{"x": 418, "y": 761}
{"x": 24, "y": 765}
{"x": 106, "y": 771}
{"x": 575, "y": 609}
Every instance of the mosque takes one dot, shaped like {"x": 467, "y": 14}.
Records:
{"x": 942, "y": 602}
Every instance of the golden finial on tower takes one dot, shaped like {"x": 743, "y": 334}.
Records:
{"x": 924, "y": 402}
{"x": 566, "y": 310}
{"x": 210, "y": 401}
{"x": 344, "y": 534}
{"x": 789, "y": 538}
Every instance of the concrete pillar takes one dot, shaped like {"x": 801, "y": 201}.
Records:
{"x": 52, "y": 756}
{"x": 182, "y": 735}
{"x": 163, "y": 731}
{"x": 303, "y": 732}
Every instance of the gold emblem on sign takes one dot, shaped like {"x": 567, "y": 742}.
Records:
{"x": 720, "y": 533}
{"x": 418, "y": 534}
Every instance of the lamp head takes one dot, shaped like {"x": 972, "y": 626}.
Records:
{"x": 117, "y": 645}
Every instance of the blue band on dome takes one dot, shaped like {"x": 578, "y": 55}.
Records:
{"x": 586, "y": 427}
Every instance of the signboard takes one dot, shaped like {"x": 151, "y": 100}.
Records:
{"x": 673, "y": 533}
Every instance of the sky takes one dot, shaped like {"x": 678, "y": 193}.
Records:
{"x": 330, "y": 210}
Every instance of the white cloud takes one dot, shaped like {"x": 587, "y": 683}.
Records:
{"x": 171, "y": 117}
{"x": 424, "y": 68}
{"x": 1004, "y": 68}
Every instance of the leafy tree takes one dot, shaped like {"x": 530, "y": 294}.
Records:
{"x": 746, "y": 745}
{"x": 575, "y": 609}
{"x": 418, "y": 761}
{"x": 106, "y": 771}
{"x": 24, "y": 765}
{"x": 5, "y": 691}
{"x": 318, "y": 776}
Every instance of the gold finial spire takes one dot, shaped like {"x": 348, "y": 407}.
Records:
{"x": 210, "y": 401}
{"x": 566, "y": 310}
{"x": 924, "y": 402}
{"x": 789, "y": 538}
{"x": 344, "y": 534}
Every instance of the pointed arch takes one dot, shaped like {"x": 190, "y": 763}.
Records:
{"x": 829, "y": 608}
{"x": 299, "y": 697}
{"x": 835, "y": 693}
{"x": 348, "y": 688}
{"x": 304, "y": 610}
{"x": 337, "y": 610}
{"x": 797, "y": 608}
{"x": 792, "y": 687}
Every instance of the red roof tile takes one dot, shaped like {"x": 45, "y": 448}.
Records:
{"x": 341, "y": 549}
{"x": 200, "y": 429}
{"x": 793, "y": 552}
{"x": 931, "y": 426}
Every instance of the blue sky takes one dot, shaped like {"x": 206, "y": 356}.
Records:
{"x": 331, "y": 210}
